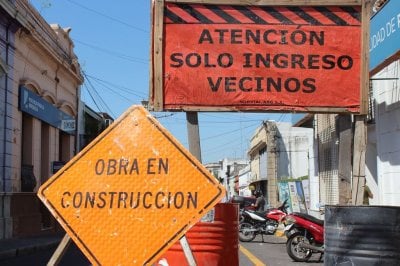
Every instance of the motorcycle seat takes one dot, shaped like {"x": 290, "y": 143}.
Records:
{"x": 263, "y": 213}
{"x": 309, "y": 217}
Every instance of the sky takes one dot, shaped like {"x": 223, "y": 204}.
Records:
{"x": 112, "y": 40}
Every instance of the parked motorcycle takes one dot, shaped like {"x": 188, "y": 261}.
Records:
{"x": 305, "y": 236}
{"x": 253, "y": 223}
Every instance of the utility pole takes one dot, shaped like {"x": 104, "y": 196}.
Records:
{"x": 360, "y": 146}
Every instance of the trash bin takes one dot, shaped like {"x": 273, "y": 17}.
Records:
{"x": 362, "y": 235}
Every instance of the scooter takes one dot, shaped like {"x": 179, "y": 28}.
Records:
{"x": 253, "y": 223}
{"x": 305, "y": 236}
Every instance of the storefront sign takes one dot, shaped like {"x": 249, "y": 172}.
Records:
{"x": 384, "y": 45}
{"x": 31, "y": 103}
{"x": 259, "y": 57}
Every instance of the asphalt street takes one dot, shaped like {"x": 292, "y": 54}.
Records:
{"x": 270, "y": 252}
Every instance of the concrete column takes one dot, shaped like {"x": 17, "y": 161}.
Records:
{"x": 272, "y": 161}
{"x": 272, "y": 179}
{"x": 36, "y": 139}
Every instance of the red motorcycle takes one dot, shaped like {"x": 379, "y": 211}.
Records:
{"x": 253, "y": 223}
{"x": 305, "y": 236}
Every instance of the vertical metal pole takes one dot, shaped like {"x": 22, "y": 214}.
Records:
{"x": 194, "y": 148}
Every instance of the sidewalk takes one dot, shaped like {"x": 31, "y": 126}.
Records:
{"x": 280, "y": 231}
{"x": 14, "y": 247}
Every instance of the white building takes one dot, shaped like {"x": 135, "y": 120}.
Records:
{"x": 282, "y": 156}
{"x": 227, "y": 171}
{"x": 244, "y": 181}
{"x": 383, "y": 146}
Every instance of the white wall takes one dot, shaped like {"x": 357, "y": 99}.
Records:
{"x": 294, "y": 147}
{"x": 387, "y": 94}
{"x": 298, "y": 158}
{"x": 244, "y": 182}
{"x": 371, "y": 171}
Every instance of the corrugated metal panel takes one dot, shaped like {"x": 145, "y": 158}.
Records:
{"x": 362, "y": 235}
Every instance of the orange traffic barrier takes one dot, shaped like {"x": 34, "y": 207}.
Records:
{"x": 212, "y": 243}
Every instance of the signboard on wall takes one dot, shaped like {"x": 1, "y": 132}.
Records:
{"x": 259, "y": 56}
{"x": 33, "y": 104}
{"x": 384, "y": 45}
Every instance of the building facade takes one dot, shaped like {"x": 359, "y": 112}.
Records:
{"x": 41, "y": 95}
{"x": 263, "y": 161}
{"x": 336, "y": 134}
{"x": 383, "y": 146}
{"x": 283, "y": 162}
{"x": 227, "y": 172}
{"x": 244, "y": 187}
{"x": 9, "y": 25}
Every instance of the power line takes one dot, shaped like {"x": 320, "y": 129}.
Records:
{"x": 112, "y": 53}
{"x": 108, "y": 17}
{"x": 214, "y": 148}
{"x": 112, "y": 90}
{"x": 228, "y": 132}
{"x": 115, "y": 92}
{"x": 229, "y": 121}
{"x": 122, "y": 88}
{"x": 91, "y": 96}
{"x": 98, "y": 95}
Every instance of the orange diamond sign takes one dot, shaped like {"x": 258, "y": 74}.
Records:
{"x": 130, "y": 194}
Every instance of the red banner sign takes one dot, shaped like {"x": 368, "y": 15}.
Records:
{"x": 219, "y": 57}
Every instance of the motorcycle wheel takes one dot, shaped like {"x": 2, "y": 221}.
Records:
{"x": 294, "y": 251}
{"x": 246, "y": 233}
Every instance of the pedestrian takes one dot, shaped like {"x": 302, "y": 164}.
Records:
{"x": 260, "y": 201}
{"x": 367, "y": 195}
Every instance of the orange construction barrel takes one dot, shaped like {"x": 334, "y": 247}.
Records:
{"x": 213, "y": 243}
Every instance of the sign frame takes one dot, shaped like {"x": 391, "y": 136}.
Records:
{"x": 156, "y": 88}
